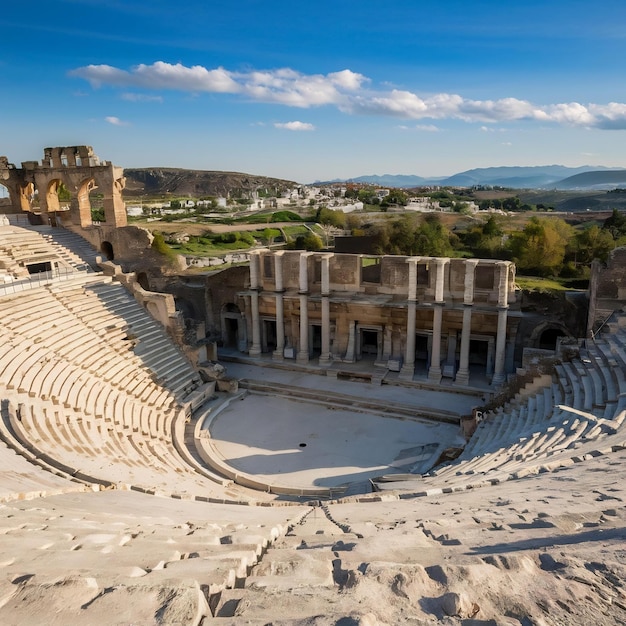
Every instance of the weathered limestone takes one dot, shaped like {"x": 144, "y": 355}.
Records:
{"x": 280, "y": 309}
{"x": 503, "y": 306}
{"x": 303, "y": 291}
{"x": 79, "y": 170}
{"x": 255, "y": 350}
{"x": 408, "y": 366}
{"x": 407, "y": 313}
{"x": 462, "y": 376}
{"x": 434, "y": 372}
{"x": 325, "y": 356}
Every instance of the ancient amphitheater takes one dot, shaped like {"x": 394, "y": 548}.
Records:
{"x": 127, "y": 495}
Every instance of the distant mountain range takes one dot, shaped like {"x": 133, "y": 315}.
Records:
{"x": 535, "y": 177}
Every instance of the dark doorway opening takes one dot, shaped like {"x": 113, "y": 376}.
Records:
{"x": 478, "y": 352}
{"x": 369, "y": 343}
{"x": 107, "y": 249}
{"x": 549, "y": 338}
{"x": 421, "y": 348}
{"x": 316, "y": 340}
{"x": 142, "y": 279}
{"x": 269, "y": 332}
{"x": 232, "y": 332}
{"x": 39, "y": 268}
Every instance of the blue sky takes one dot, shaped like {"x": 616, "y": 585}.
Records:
{"x": 317, "y": 90}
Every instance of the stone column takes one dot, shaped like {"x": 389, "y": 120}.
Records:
{"x": 503, "y": 306}
{"x": 408, "y": 367}
{"x": 350, "y": 358}
{"x": 325, "y": 356}
{"x": 280, "y": 306}
{"x": 303, "y": 351}
{"x": 255, "y": 286}
{"x": 462, "y": 376}
{"x": 434, "y": 371}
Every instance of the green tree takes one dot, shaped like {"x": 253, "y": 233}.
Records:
{"x": 593, "y": 243}
{"x": 540, "y": 248}
{"x": 330, "y": 217}
{"x": 310, "y": 241}
{"x": 615, "y": 224}
{"x": 397, "y": 196}
{"x": 432, "y": 238}
{"x": 63, "y": 193}
{"x": 97, "y": 215}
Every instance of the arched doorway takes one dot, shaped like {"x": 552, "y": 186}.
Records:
{"x": 107, "y": 249}
{"x": 549, "y": 338}
{"x": 142, "y": 279}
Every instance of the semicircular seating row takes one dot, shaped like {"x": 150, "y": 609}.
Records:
{"x": 91, "y": 386}
{"x": 576, "y": 413}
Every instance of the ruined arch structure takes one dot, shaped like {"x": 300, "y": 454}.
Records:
{"x": 80, "y": 170}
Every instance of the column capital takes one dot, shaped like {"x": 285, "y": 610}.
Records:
{"x": 254, "y": 270}
{"x": 304, "y": 272}
{"x": 470, "y": 270}
{"x": 413, "y": 259}
{"x": 439, "y": 262}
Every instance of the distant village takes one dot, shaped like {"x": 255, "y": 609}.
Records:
{"x": 340, "y": 198}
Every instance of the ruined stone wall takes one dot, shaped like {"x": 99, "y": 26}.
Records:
{"x": 607, "y": 288}
{"x": 80, "y": 171}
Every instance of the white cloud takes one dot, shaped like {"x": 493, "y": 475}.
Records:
{"x": 427, "y": 128}
{"x": 491, "y": 129}
{"x": 350, "y": 92}
{"x": 141, "y": 97}
{"x": 297, "y": 126}
{"x": 116, "y": 121}
{"x": 282, "y": 86}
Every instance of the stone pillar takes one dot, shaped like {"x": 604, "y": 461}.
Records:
{"x": 350, "y": 358}
{"x": 280, "y": 307}
{"x": 462, "y": 376}
{"x": 439, "y": 278}
{"x": 255, "y": 349}
{"x": 434, "y": 371}
{"x": 408, "y": 367}
{"x": 303, "y": 351}
{"x": 113, "y": 202}
{"x": 325, "y": 356}
{"x": 503, "y": 306}
{"x": 387, "y": 347}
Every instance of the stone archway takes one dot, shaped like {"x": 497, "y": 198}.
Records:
{"x": 106, "y": 247}
{"x": 547, "y": 334}
{"x": 549, "y": 338}
{"x": 144, "y": 282}
{"x": 80, "y": 171}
